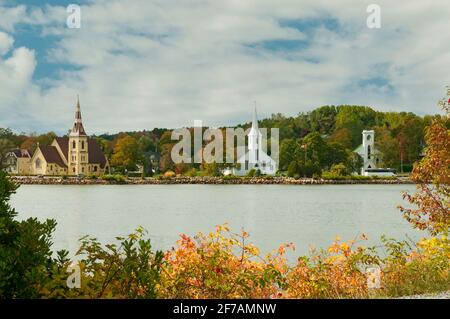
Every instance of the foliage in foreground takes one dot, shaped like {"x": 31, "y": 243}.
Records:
{"x": 431, "y": 202}
{"x": 223, "y": 264}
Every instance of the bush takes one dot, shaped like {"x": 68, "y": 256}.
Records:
{"x": 192, "y": 172}
{"x": 169, "y": 174}
{"x": 251, "y": 173}
{"x": 25, "y": 249}
{"x": 220, "y": 265}
{"x": 116, "y": 178}
{"x": 293, "y": 169}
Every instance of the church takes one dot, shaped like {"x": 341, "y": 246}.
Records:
{"x": 255, "y": 157}
{"x": 76, "y": 154}
{"x": 371, "y": 156}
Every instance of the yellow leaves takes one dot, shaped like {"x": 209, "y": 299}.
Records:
{"x": 224, "y": 264}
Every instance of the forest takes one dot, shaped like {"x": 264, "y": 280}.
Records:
{"x": 311, "y": 143}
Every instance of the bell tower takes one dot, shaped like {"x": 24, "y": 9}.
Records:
{"x": 369, "y": 149}
{"x": 78, "y": 154}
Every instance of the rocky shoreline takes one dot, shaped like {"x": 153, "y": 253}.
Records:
{"x": 28, "y": 180}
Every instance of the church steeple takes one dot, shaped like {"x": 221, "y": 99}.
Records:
{"x": 255, "y": 119}
{"x": 78, "y": 129}
{"x": 254, "y": 139}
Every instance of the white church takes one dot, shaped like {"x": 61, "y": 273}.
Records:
{"x": 255, "y": 157}
{"x": 371, "y": 156}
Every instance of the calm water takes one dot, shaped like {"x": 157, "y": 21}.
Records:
{"x": 272, "y": 214}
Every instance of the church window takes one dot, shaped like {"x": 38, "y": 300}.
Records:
{"x": 38, "y": 163}
{"x": 368, "y": 152}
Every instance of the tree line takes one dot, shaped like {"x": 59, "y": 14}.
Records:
{"x": 311, "y": 143}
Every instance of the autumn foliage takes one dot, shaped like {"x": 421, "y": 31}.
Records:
{"x": 224, "y": 264}
{"x": 431, "y": 202}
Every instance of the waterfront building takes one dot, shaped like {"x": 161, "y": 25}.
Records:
{"x": 75, "y": 154}
{"x": 371, "y": 156}
{"x": 255, "y": 157}
{"x": 18, "y": 162}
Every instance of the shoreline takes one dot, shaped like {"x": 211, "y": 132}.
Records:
{"x": 50, "y": 180}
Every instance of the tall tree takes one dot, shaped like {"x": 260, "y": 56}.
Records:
{"x": 126, "y": 154}
{"x": 432, "y": 175}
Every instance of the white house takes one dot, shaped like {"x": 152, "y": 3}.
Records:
{"x": 255, "y": 157}
{"x": 371, "y": 156}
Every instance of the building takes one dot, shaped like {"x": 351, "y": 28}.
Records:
{"x": 18, "y": 162}
{"x": 76, "y": 154}
{"x": 255, "y": 157}
{"x": 371, "y": 156}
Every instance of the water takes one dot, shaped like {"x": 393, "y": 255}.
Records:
{"x": 273, "y": 214}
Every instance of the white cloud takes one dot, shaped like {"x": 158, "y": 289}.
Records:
{"x": 6, "y": 42}
{"x": 144, "y": 64}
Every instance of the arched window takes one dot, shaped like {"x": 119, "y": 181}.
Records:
{"x": 369, "y": 151}
{"x": 74, "y": 144}
{"x": 38, "y": 163}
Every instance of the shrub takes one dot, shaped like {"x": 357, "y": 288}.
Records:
{"x": 169, "y": 174}
{"x": 251, "y": 173}
{"x": 292, "y": 169}
{"x": 25, "y": 249}
{"x": 116, "y": 178}
{"x": 221, "y": 265}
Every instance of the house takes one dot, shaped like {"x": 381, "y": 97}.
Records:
{"x": 18, "y": 162}
{"x": 76, "y": 154}
{"x": 254, "y": 157}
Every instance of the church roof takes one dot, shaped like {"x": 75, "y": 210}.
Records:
{"x": 63, "y": 143}
{"x": 22, "y": 153}
{"x": 51, "y": 155}
{"x": 96, "y": 155}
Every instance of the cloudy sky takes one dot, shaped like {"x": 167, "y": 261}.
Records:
{"x": 142, "y": 64}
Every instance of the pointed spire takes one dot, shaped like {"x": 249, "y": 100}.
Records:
{"x": 78, "y": 129}
{"x": 255, "y": 119}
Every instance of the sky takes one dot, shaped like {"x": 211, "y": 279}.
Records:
{"x": 141, "y": 64}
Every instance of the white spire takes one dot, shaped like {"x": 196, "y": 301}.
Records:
{"x": 255, "y": 119}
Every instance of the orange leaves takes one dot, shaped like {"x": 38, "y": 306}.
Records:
{"x": 224, "y": 264}
{"x": 219, "y": 265}
{"x": 432, "y": 174}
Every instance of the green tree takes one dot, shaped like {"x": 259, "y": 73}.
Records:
{"x": 25, "y": 249}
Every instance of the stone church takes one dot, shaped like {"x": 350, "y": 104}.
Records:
{"x": 76, "y": 154}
